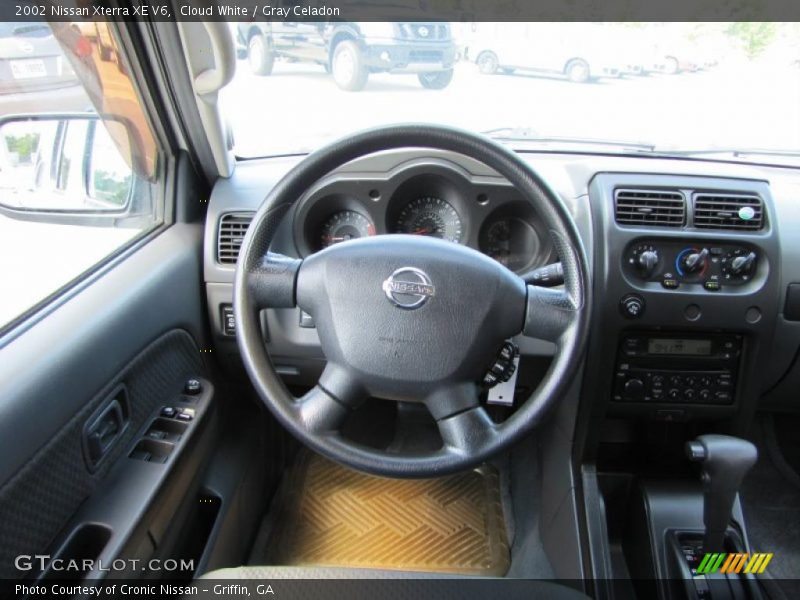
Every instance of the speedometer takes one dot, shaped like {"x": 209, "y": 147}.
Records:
{"x": 430, "y": 216}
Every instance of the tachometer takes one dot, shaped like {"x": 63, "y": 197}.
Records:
{"x": 430, "y": 216}
{"x": 510, "y": 241}
{"x": 345, "y": 225}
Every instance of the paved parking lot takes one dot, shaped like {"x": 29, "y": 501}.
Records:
{"x": 733, "y": 105}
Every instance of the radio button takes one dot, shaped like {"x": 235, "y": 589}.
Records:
{"x": 689, "y": 394}
{"x": 723, "y": 398}
{"x": 674, "y": 394}
{"x": 657, "y": 381}
{"x": 676, "y": 380}
{"x": 705, "y": 381}
{"x": 704, "y": 396}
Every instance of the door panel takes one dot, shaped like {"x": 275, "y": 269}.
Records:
{"x": 138, "y": 325}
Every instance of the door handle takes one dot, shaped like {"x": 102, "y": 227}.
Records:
{"x": 104, "y": 428}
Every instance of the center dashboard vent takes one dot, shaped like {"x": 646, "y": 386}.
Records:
{"x": 232, "y": 228}
{"x": 652, "y": 208}
{"x": 728, "y": 211}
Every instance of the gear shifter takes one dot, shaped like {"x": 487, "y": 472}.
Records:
{"x": 725, "y": 461}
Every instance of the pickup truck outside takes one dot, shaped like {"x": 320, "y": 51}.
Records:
{"x": 351, "y": 51}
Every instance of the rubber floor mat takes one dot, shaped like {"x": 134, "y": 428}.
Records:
{"x": 333, "y": 516}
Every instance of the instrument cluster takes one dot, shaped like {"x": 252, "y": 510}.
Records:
{"x": 433, "y": 200}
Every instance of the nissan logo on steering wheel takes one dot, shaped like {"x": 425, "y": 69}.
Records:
{"x": 408, "y": 288}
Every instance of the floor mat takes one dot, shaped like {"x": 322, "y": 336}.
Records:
{"x": 332, "y": 516}
{"x": 771, "y": 505}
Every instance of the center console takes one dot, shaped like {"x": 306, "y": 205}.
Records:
{"x": 686, "y": 300}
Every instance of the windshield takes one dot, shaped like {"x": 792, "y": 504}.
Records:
{"x": 642, "y": 86}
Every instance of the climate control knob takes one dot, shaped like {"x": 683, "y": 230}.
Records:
{"x": 646, "y": 265}
{"x": 694, "y": 262}
{"x": 743, "y": 265}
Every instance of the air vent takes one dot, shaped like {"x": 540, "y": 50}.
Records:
{"x": 726, "y": 211}
{"x": 232, "y": 228}
{"x": 652, "y": 208}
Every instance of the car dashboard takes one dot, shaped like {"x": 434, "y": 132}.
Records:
{"x": 693, "y": 263}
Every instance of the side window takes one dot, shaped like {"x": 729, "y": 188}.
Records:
{"x": 78, "y": 159}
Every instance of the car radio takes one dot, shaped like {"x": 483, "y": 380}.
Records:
{"x": 677, "y": 368}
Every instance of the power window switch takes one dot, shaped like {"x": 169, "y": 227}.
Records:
{"x": 140, "y": 455}
{"x": 168, "y": 412}
{"x": 185, "y": 415}
{"x": 155, "y": 434}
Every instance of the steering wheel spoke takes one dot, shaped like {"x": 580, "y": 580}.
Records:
{"x": 320, "y": 412}
{"x": 463, "y": 424}
{"x": 468, "y": 432}
{"x": 326, "y": 406}
{"x": 549, "y": 313}
{"x": 271, "y": 281}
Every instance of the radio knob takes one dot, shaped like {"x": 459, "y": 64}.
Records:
{"x": 742, "y": 265}
{"x": 648, "y": 260}
{"x": 694, "y": 262}
{"x": 634, "y": 389}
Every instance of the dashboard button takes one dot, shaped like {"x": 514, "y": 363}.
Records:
{"x": 632, "y": 306}
{"x": 670, "y": 284}
{"x": 712, "y": 286}
{"x": 306, "y": 320}
{"x": 689, "y": 394}
{"x": 704, "y": 395}
{"x": 674, "y": 394}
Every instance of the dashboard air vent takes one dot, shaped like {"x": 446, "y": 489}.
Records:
{"x": 232, "y": 228}
{"x": 651, "y": 208}
{"x": 728, "y": 211}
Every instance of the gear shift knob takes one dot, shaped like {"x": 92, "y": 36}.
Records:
{"x": 725, "y": 462}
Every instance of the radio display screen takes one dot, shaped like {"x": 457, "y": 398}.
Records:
{"x": 679, "y": 346}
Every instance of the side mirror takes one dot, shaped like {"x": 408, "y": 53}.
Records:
{"x": 64, "y": 163}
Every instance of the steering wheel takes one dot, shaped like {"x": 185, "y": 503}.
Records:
{"x": 407, "y": 318}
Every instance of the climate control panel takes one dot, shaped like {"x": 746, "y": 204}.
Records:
{"x": 674, "y": 264}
